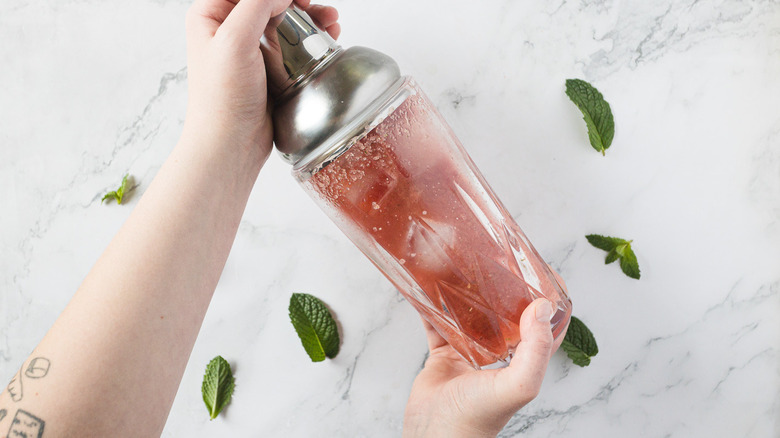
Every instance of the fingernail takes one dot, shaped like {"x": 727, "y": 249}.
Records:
{"x": 544, "y": 311}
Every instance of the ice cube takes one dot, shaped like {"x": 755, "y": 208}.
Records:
{"x": 369, "y": 192}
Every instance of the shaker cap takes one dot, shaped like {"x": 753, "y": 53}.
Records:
{"x": 318, "y": 87}
{"x": 292, "y": 47}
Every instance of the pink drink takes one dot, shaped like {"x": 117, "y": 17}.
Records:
{"x": 408, "y": 195}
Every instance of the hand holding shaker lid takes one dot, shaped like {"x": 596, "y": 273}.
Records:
{"x": 379, "y": 159}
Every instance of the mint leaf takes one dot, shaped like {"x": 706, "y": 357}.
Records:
{"x": 629, "y": 263}
{"x": 218, "y": 385}
{"x": 315, "y": 326}
{"x": 611, "y": 257}
{"x": 595, "y": 111}
{"x": 109, "y": 196}
{"x": 575, "y": 354}
{"x": 604, "y": 242}
{"x": 617, "y": 248}
{"x": 119, "y": 193}
{"x": 579, "y": 343}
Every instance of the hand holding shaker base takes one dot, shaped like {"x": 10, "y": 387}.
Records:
{"x": 379, "y": 159}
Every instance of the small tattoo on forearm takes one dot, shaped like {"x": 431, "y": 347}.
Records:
{"x": 15, "y": 387}
{"x": 37, "y": 368}
{"x": 3, "y": 413}
{"x": 26, "y": 425}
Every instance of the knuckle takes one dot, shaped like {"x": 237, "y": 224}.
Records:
{"x": 192, "y": 13}
{"x": 192, "y": 19}
{"x": 229, "y": 40}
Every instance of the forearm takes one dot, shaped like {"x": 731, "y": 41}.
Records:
{"x": 118, "y": 351}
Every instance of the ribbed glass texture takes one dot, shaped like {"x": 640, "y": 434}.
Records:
{"x": 408, "y": 195}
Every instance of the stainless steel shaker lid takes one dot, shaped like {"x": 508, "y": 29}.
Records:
{"x": 318, "y": 87}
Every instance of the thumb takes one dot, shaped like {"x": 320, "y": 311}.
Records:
{"x": 521, "y": 381}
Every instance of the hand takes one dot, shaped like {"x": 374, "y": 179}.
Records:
{"x": 228, "y": 99}
{"x": 450, "y": 398}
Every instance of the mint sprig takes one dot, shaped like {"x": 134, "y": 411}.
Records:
{"x": 617, "y": 249}
{"x": 579, "y": 343}
{"x": 218, "y": 385}
{"x": 595, "y": 111}
{"x": 119, "y": 193}
{"x": 315, "y": 326}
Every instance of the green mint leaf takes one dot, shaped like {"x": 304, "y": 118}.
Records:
{"x": 621, "y": 249}
{"x": 629, "y": 263}
{"x": 109, "y": 195}
{"x": 575, "y": 354}
{"x": 617, "y": 248}
{"x": 595, "y": 111}
{"x": 315, "y": 326}
{"x": 579, "y": 343}
{"x": 604, "y": 242}
{"x": 119, "y": 193}
{"x": 218, "y": 385}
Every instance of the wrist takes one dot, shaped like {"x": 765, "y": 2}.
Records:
{"x": 440, "y": 427}
{"x": 224, "y": 152}
{"x": 250, "y": 139}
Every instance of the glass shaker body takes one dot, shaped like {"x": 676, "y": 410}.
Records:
{"x": 409, "y": 196}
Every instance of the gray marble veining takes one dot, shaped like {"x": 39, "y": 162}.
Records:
{"x": 93, "y": 90}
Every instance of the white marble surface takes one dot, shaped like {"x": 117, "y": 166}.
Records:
{"x": 91, "y": 90}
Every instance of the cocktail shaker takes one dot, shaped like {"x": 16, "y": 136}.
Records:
{"x": 375, "y": 154}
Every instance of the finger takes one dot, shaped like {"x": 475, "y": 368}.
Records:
{"x": 334, "y": 30}
{"x": 559, "y": 341}
{"x": 520, "y": 382}
{"x": 558, "y": 279}
{"x": 324, "y": 16}
{"x": 247, "y": 21}
{"x": 205, "y": 16}
{"x": 435, "y": 340}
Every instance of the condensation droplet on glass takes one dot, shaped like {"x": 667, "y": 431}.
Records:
{"x": 402, "y": 261}
{"x": 375, "y": 206}
{"x": 425, "y": 212}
